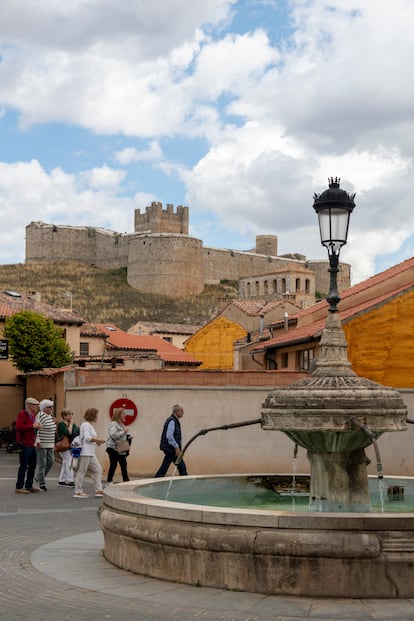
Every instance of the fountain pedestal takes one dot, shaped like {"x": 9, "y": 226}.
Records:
{"x": 339, "y": 482}
{"x": 335, "y": 414}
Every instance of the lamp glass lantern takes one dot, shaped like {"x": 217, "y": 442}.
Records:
{"x": 334, "y": 208}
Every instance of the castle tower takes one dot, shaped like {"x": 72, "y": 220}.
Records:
{"x": 166, "y": 264}
{"x": 159, "y": 220}
{"x": 266, "y": 244}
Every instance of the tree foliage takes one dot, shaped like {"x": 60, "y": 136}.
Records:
{"x": 35, "y": 342}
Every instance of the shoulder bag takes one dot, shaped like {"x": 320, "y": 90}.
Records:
{"x": 62, "y": 445}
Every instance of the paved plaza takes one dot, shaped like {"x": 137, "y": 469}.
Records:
{"x": 52, "y": 568}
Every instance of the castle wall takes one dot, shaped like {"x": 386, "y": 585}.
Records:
{"x": 322, "y": 276}
{"x": 167, "y": 264}
{"x": 89, "y": 245}
{"x": 220, "y": 264}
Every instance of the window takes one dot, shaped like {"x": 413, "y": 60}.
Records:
{"x": 304, "y": 359}
{"x": 297, "y": 285}
{"x": 84, "y": 349}
{"x": 266, "y": 287}
{"x": 284, "y": 360}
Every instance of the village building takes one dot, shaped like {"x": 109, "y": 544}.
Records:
{"x": 377, "y": 318}
{"x": 213, "y": 343}
{"x": 132, "y": 349}
{"x": 12, "y": 382}
{"x": 175, "y": 333}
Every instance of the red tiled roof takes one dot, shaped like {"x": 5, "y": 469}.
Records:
{"x": 313, "y": 330}
{"x": 12, "y": 303}
{"x": 365, "y": 285}
{"x": 118, "y": 339}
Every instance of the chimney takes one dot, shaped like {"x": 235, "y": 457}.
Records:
{"x": 261, "y": 325}
{"x": 286, "y": 318}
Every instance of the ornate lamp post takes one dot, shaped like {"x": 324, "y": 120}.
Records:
{"x": 334, "y": 207}
{"x": 335, "y": 414}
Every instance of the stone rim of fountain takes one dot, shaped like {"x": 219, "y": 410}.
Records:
{"x": 270, "y": 552}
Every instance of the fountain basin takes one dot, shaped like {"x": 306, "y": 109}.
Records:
{"x": 359, "y": 555}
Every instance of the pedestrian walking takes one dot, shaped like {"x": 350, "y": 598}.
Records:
{"x": 170, "y": 442}
{"x": 117, "y": 445}
{"x": 87, "y": 460}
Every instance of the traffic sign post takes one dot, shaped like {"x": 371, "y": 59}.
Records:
{"x": 129, "y": 406}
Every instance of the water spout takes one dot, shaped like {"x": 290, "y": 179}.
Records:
{"x": 371, "y": 435}
{"x": 203, "y": 432}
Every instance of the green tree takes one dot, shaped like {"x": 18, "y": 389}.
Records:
{"x": 35, "y": 342}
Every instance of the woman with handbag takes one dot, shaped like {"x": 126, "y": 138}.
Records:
{"x": 117, "y": 445}
{"x": 66, "y": 431}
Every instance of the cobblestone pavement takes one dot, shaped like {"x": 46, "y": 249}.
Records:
{"x": 52, "y": 568}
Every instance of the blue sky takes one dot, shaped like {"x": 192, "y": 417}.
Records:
{"x": 240, "y": 109}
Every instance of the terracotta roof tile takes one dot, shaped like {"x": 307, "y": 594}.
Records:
{"x": 365, "y": 285}
{"x": 118, "y": 339}
{"x": 313, "y": 330}
{"x": 12, "y": 303}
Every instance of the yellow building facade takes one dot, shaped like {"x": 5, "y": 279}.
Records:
{"x": 381, "y": 342}
{"x": 213, "y": 343}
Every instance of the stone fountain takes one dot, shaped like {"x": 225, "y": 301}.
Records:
{"x": 335, "y": 415}
{"x": 339, "y": 548}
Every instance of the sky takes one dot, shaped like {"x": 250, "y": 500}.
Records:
{"x": 239, "y": 109}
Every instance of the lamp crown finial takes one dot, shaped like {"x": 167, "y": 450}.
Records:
{"x": 334, "y": 182}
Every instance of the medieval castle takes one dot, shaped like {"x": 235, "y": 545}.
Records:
{"x": 161, "y": 257}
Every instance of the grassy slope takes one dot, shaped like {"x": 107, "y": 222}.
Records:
{"x": 101, "y": 296}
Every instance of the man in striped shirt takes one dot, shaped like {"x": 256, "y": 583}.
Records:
{"x": 45, "y": 442}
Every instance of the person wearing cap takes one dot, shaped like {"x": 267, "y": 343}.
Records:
{"x": 26, "y": 430}
{"x": 45, "y": 442}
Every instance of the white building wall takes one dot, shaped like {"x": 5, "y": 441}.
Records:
{"x": 241, "y": 450}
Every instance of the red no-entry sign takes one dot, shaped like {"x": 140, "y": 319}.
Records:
{"x": 129, "y": 407}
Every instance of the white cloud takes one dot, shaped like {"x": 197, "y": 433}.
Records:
{"x": 89, "y": 199}
{"x": 277, "y": 115}
{"x": 131, "y": 154}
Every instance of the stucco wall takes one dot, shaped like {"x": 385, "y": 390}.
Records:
{"x": 246, "y": 449}
{"x": 389, "y": 359}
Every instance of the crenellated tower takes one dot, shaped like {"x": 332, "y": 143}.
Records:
{"x": 158, "y": 220}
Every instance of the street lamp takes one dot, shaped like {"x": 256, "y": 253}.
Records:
{"x": 334, "y": 207}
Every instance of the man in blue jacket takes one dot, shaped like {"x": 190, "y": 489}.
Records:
{"x": 170, "y": 442}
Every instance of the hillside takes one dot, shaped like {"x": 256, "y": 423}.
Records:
{"x": 101, "y": 296}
